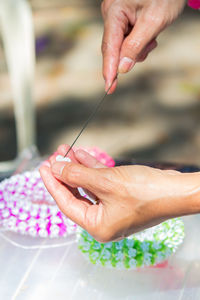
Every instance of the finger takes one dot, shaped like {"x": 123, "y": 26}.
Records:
{"x": 63, "y": 149}
{"x": 46, "y": 163}
{"x": 54, "y": 158}
{"x": 115, "y": 26}
{"x": 144, "y": 31}
{"x": 105, "y": 5}
{"x": 88, "y": 160}
{"x": 77, "y": 175}
{"x": 68, "y": 204}
{"x": 112, "y": 88}
{"x": 150, "y": 47}
{"x": 50, "y": 157}
{"x": 74, "y": 191}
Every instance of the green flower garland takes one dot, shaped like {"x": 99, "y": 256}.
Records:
{"x": 147, "y": 248}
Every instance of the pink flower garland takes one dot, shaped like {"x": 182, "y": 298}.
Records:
{"x": 100, "y": 155}
{"x": 195, "y": 4}
{"x": 26, "y": 206}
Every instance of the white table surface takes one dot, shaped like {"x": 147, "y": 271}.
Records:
{"x": 63, "y": 273}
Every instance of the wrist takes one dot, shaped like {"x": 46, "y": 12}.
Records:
{"x": 185, "y": 192}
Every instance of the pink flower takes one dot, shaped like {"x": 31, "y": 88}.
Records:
{"x": 100, "y": 155}
{"x": 194, "y": 4}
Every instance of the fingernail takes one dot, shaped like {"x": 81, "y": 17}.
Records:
{"x": 57, "y": 168}
{"x": 107, "y": 85}
{"x": 80, "y": 153}
{"x": 125, "y": 65}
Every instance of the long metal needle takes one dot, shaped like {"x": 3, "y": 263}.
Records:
{"x": 91, "y": 116}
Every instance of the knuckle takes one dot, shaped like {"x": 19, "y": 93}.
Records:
{"x": 106, "y": 6}
{"x": 133, "y": 44}
{"x": 104, "y": 47}
{"x": 103, "y": 234}
{"x": 116, "y": 14}
{"x": 108, "y": 48}
{"x": 69, "y": 173}
{"x": 61, "y": 147}
{"x": 154, "y": 20}
{"x": 106, "y": 184}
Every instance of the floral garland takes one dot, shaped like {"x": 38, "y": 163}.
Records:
{"x": 195, "y": 4}
{"x": 26, "y": 206}
{"x": 147, "y": 248}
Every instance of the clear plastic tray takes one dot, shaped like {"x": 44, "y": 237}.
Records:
{"x": 63, "y": 273}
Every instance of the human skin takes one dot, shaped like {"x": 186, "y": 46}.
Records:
{"x": 130, "y": 31}
{"x": 129, "y": 198}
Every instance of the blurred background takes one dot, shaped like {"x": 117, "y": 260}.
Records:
{"x": 155, "y": 113}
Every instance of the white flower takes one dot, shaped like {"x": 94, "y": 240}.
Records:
{"x": 96, "y": 246}
{"x": 95, "y": 255}
{"x": 108, "y": 245}
{"x": 89, "y": 237}
{"x": 105, "y": 254}
{"x": 119, "y": 245}
{"x": 156, "y": 245}
{"x": 132, "y": 252}
{"x": 132, "y": 263}
{"x": 119, "y": 265}
{"x": 147, "y": 258}
{"x": 145, "y": 246}
{"x": 86, "y": 246}
{"x": 119, "y": 255}
{"x": 130, "y": 243}
{"x": 160, "y": 257}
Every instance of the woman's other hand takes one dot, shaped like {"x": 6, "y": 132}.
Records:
{"x": 129, "y": 198}
{"x": 130, "y": 31}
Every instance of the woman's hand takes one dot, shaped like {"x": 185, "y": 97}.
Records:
{"x": 129, "y": 198}
{"x": 130, "y": 31}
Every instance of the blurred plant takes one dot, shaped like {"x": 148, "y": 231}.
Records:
{"x": 191, "y": 88}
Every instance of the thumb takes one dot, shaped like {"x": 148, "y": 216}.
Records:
{"x": 76, "y": 175}
{"x": 141, "y": 36}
